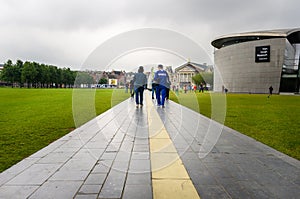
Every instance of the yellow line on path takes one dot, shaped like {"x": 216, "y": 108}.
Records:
{"x": 169, "y": 176}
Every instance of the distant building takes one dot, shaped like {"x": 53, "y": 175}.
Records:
{"x": 120, "y": 76}
{"x": 251, "y": 62}
{"x": 129, "y": 76}
{"x": 184, "y": 73}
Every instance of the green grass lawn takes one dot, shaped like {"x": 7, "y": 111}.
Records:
{"x": 273, "y": 121}
{"x": 30, "y": 119}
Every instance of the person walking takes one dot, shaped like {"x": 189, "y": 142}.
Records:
{"x": 201, "y": 88}
{"x": 131, "y": 88}
{"x": 270, "y": 91}
{"x": 162, "y": 79}
{"x": 139, "y": 82}
{"x": 126, "y": 87}
{"x": 177, "y": 90}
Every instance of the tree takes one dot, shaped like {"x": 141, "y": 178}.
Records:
{"x": 52, "y": 75}
{"x": 68, "y": 77}
{"x": 204, "y": 77}
{"x": 41, "y": 75}
{"x": 8, "y": 72}
{"x": 198, "y": 79}
{"x": 103, "y": 81}
{"x": 84, "y": 78}
{"x": 208, "y": 77}
{"x": 29, "y": 74}
{"x": 59, "y": 78}
{"x": 44, "y": 72}
{"x": 37, "y": 78}
{"x": 18, "y": 72}
{"x": 12, "y": 72}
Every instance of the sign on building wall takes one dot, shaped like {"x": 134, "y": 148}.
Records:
{"x": 262, "y": 54}
{"x": 113, "y": 82}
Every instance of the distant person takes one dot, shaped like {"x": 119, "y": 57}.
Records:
{"x": 185, "y": 88}
{"x": 126, "y": 87}
{"x": 162, "y": 79}
{"x": 270, "y": 91}
{"x": 131, "y": 88}
{"x": 201, "y": 88}
{"x": 195, "y": 88}
{"x": 139, "y": 82}
{"x": 177, "y": 90}
{"x": 226, "y": 90}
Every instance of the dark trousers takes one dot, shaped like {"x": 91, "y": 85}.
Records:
{"x": 167, "y": 93}
{"x": 161, "y": 94}
{"x": 139, "y": 92}
{"x": 153, "y": 90}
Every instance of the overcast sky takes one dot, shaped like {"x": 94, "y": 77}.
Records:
{"x": 65, "y": 32}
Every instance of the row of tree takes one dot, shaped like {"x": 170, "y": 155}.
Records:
{"x": 32, "y": 74}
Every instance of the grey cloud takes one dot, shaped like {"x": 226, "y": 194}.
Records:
{"x": 58, "y": 14}
{"x": 93, "y": 14}
{"x": 203, "y": 20}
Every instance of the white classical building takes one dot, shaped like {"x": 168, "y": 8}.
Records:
{"x": 184, "y": 73}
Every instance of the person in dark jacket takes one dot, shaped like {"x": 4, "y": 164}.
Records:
{"x": 270, "y": 91}
{"x": 139, "y": 83}
{"x": 161, "y": 77}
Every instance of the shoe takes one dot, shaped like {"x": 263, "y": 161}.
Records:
{"x": 163, "y": 106}
{"x": 137, "y": 106}
{"x": 141, "y": 105}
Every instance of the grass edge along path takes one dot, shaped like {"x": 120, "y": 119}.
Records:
{"x": 30, "y": 119}
{"x": 273, "y": 121}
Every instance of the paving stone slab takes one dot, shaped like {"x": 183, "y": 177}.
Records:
{"x": 57, "y": 189}
{"x": 137, "y": 192}
{"x": 139, "y": 178}
{"x": 113, "y": 185}
{"x": 16, "y": 169}
{"x": 95, "y": 179}
{"x": 139, "y": 166}
{"x": 16, "y": 192}
{"x": 86, "y": 196}
{"x": 212, "y": 191}
{"x": 70, "y": 175}
{"x": 37, "y": 174}
{"x": 89, "y": 189}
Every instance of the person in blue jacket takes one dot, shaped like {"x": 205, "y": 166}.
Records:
{"x": 161, "y": 77}
{"x": 140, "y": 83}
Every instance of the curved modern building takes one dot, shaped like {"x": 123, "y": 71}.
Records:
{"x": 251, "y": 62}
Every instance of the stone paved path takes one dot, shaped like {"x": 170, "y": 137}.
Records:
{"x": 131, "y": 153}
